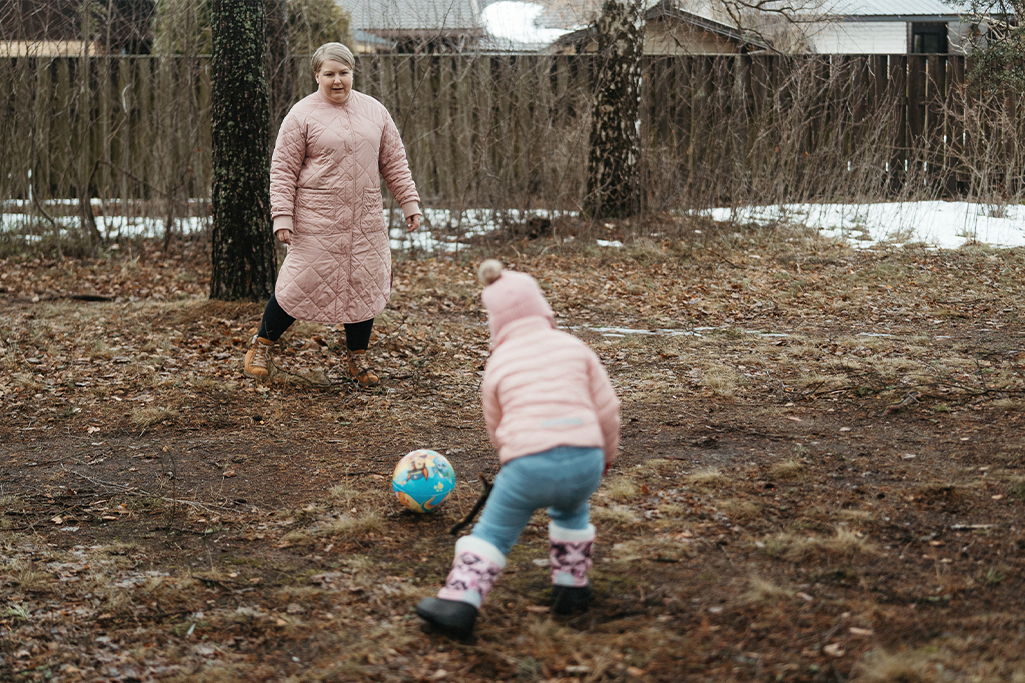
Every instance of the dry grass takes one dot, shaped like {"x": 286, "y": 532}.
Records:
{"x": 9, "y": 502}
{"x": 708, "y": 477}
{"x": 354, "y": 526}
{"x": 880, "y": 666}
{"x": 739, "y": 510}
{"x": 206, "y": 382}
{"x": 791, "y": 468}
{"x": 678, "y": 549}
{"x": 661, "y": 467}
{"x": 722, "y": 381}
{"x": 149, "y": 416}
{"x": 863, "y": 517}
{"x": 619, "y": 488}
{"x": 761, "y": 591}
{"x": 613, "y": 515}
{"x": 845, "y": 544}
{"x": 343, "y": 494}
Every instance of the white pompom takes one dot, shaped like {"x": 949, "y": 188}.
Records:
{"x": 489, "y": 271}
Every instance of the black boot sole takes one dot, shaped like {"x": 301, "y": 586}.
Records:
{"x": 571, "y": 599}
{"x": 448, "y": 617}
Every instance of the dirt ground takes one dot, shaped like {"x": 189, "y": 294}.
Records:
{"x": 822, "y": 471}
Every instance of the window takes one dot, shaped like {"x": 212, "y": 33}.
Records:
{"x": 929, "y": 38}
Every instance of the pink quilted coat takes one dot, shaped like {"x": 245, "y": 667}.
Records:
{"x": 325, "y": 184}
{"x": 544, "y": 388}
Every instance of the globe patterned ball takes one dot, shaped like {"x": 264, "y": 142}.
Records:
{"x": 423, "y": 479}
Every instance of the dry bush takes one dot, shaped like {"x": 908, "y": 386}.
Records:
{"x": 991, "y": 157}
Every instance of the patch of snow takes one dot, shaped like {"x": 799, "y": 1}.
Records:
{"x": 936, "y": 224}
{"x": 516, "y": 22}
{"x": 943, "y": 225}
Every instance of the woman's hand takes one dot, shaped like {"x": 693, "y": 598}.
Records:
{"x": 284, "y": 236}
{"x": 413, "y": 222}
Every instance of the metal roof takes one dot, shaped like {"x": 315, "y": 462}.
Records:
{"x": 444, "y": 16}
{"x": 890, "y": 8}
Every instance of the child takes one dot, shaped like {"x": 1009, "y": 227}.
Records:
{"x": 552, "y": 414}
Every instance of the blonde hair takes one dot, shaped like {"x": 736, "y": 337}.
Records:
{"x": 335, "y": 51}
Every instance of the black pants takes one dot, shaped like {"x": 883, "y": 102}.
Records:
{"x": 276, "y": 321}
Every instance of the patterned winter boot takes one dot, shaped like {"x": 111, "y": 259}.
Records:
{"x": 474, "y": 571}
{"x": 257, "y": 362}
{"x": 360, "y": 371}
{"x": 571, "y": 551}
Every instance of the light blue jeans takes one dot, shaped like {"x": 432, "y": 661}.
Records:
{"x": 561, "y": 479}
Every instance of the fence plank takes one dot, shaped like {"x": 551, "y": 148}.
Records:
{"x": 63, "y": 157}
{"x": 102, "y": 138}
{"x": 898, "y": 69}
{"x": 935, "y": 124}
{"x": 916, "y": 112}
{"x": 40, "y": 155}
{"x": 954, "y": 177}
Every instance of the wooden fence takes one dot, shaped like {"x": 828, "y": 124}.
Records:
{"x": 512, "y": 131}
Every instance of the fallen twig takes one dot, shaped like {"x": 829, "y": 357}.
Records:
{"x": 487, "y": 486}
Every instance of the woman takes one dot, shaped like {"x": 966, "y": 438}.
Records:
{"x": 325, "y": 180}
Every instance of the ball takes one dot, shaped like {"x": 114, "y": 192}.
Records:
{"x": 423, "y": 479}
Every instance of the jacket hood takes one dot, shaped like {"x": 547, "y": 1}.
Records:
{"x": 510, "y": 296}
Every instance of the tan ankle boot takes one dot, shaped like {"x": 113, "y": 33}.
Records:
{"x": 359, "y": 371}
{"x": 258, "y": 361}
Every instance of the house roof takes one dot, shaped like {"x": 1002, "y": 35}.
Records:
{"x": 891, "y": 9}
{"x": 405, "y": 17}
{"x": 658, "y": 9}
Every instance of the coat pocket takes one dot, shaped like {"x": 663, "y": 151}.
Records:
{"x": 373, "y": 210}
{"x": 315, "y": 208}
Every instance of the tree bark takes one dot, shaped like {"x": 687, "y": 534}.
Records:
{"x": 243, "y": 257}
{"x": 614, "y": 159}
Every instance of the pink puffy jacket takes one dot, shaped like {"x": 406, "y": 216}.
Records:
{"x": 544, "y": 388}
{"x": 325, "y": 184}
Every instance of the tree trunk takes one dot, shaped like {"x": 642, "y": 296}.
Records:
{"x": 243, "y": 257}
{"x": 614, "y": 160}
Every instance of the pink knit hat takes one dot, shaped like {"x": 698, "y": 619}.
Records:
{"x": 509, "y": 296}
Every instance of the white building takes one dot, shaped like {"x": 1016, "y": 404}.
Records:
{"x": 888, "y": 27}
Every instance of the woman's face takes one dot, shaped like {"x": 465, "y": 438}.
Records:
{"x": 335, "y": 80}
